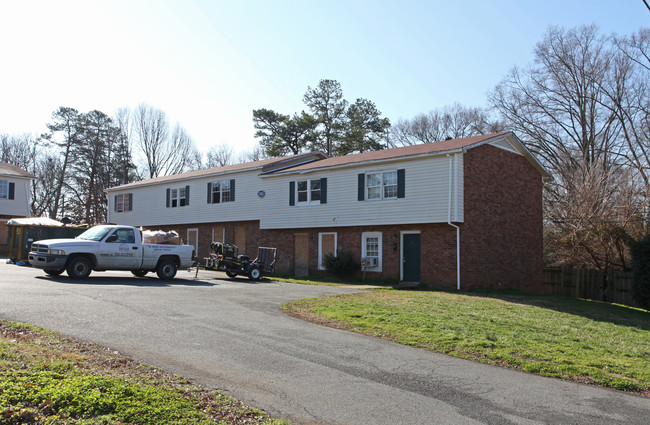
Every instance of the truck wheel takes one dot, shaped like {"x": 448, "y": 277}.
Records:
{"x": 54, "y": 272}
{"x": 79, "y": 268}
{"x": 254, "y": 273}
{"x": 231, "y": 274}
{"x": 166, "y": 269}
{"x": 139, "y": 273}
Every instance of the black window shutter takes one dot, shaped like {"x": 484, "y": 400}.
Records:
{"x": 115, "y": 205}
{"x": 12, "y": 188}
{"x": 210, "y": 193}
{"x": 292, "y": 194}
{"x": 361, "y": 192}
{"x": 232, "y": 190}
{"x": 323, "y": 190}
{"x": 168, "y": 197}
{"x": 187, "y": 195}
{"x": 401, "y": 183}
{"x": 130, "y": 202}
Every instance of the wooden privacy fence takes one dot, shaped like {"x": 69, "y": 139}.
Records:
{"x": 613, "y": 286}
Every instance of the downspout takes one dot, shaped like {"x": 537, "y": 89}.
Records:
{"x": 453, "y": 225}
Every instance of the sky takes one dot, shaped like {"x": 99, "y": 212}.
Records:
{"x": 209, "y": 64}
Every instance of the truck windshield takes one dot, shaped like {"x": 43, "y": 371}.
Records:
{"x": 94, "y": 233}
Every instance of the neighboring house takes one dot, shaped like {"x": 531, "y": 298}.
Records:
{"x": 14, "y": 197}
{"x": 419, "y": 213}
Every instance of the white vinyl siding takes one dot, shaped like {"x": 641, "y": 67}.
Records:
{"x": 19, "y": 205}
{"x": 150, "y": 208}
{"x": 426, "y": 200}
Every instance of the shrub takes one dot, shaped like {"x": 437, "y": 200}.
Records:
{"x": 341, "y": 265}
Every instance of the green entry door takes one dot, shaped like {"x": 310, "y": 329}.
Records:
{"x": 411, "y": 257}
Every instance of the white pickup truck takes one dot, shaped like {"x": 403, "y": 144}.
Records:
{"x": 109, "y": 247}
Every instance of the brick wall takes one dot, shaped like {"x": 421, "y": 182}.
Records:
{"x": 438, "y": 247}
{"x": 501, "y": 239}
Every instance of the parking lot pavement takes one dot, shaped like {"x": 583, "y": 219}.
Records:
{"x": 230, "y": 334}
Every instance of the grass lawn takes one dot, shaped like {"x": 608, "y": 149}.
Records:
{"x": 47, "y": 378}
{"x": 578, "y": 340}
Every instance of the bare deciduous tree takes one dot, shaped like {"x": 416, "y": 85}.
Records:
{"x": 219, "y": 156}
{"x": 453, "y": 122}
{"x": 17, "y": 150}
{"x": 163, "y": 153}
{"x": 556, "y": 105}
{"x": 257, "y": 154}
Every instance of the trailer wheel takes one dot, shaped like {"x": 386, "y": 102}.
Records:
{"x": 254, "y": 273}
{"x": 79, "y": 268}
{"x": 166, "y": 269}
{"x": 231, "y": 274}
{"x": 54, "y": 272}
{"x": 139, "y": 272}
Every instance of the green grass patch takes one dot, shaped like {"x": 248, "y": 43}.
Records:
{"x": 328, "y": 280}
{"x": 583, "y": 341}
{"x": 50, "y": 379}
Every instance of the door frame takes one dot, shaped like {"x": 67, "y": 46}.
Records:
{"x": 401, "y": 251}
{"x": 321, "y": 266}
{"x": 196, "y": 247}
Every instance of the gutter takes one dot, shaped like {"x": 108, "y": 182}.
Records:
{"x": 453, "y": 163}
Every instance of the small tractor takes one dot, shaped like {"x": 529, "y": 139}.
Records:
{"x": 223, "y": 257}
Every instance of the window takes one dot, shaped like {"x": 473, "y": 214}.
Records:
{"x": 6, "y": 189}
{"x": 371, "y": 245}
{"x": 221, "y": 191}
{"x": 178, "y": 197}
{"x": 124, "y": 236}
{"x": 308, "y": 192}
{"x": 123, "y": 202}
{"x": 382, "y": 185}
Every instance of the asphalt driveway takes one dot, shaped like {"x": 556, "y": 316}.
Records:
{"x": 231, "y": 335}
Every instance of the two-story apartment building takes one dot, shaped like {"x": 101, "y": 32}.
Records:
{"x": 452, "y": 214}
{"x": 14, "y": 197}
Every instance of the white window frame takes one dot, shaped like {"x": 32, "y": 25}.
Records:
{"x": 382, "y": 185}
{"x": 123, "y": 202}
{"x": 177, "y": 196}
{"x": 310, "y": 190}
{"x": 321, "y": 266}
{"x": 364, "y": 253}
{"x": 4, "y": 189}
{"x": 223, "y": 188}
{"x": 182, "y": 197}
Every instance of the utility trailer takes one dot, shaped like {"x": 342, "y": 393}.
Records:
{"x": 225, "y": 258}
